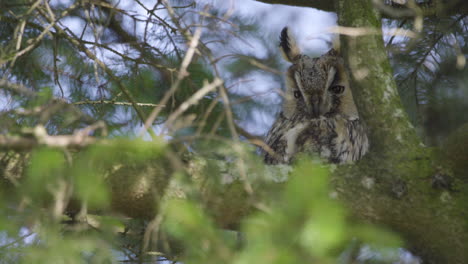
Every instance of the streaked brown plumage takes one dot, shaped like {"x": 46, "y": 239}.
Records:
{"x": 318, "y": 115}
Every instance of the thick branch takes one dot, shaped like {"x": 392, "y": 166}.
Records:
{"x": 39, "y": 137}
{"x": 429, "y": 8}
{"x": 325, "y": 5}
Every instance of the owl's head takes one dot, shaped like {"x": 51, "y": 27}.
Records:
{"x": 316, "y": 87}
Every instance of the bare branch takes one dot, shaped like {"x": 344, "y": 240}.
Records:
{"x": 17, "y": 88}
{"x": 388, "y": 9}
{"x": 102, "y": 102}
{"x": 194, "y": 99}
{"x": 325, "y": 5}
{"x": 181, "y": 75}
{"x": 41, "y": 138}
{"x": 36, "y": 41}
{"x": 361, "y": 31}
{"x": 74, "y": 40}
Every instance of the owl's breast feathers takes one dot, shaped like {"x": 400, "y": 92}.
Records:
{"x": 338, "y": 139}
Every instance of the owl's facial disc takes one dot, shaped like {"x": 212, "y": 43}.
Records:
{"x": 315, "y": 86}
{"x": 304, "y": 88}
{"x": 330, "y": 77}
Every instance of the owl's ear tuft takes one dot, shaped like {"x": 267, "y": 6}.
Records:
{"x": 288, "y": 45}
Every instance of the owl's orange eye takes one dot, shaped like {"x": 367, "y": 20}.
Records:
{"x": 337, "y": 89}
{"x": 297, "y": 94}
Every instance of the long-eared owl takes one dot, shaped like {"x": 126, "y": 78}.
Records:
{"x": 318, "y": 114}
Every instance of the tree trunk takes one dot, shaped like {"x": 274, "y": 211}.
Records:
{"x": 398, "y": 184}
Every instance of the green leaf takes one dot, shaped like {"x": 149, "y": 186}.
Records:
{"x": 46, "y": 167}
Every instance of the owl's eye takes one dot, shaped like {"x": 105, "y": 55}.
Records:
{"x": 337, "y": 89}
{"x": 297, "y": 94}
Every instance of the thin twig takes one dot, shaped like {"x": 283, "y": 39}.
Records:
{"x": 16, "y": 240}
{"x": 102, "y": 102}
{"x": 17, "y": 88}
{"x": 194, "y": 99}
{"x": 36, "y": 41}
{"x": 181, "y": 75}
{"x": 74, "y": 40}
{"x": 19, "y": 143}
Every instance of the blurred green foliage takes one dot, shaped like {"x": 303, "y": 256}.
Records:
{"x": 304, "y": 225}
{"x": 299, "y": 222}
{"x": 57, "y": 178}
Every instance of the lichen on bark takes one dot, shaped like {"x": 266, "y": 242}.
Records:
{"x": 401, "y": 168}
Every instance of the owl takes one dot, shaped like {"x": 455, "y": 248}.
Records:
{"x": 318, "y": 113}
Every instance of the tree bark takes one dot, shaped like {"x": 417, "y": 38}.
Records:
{"x": 395, "y": 10}
{"x": 396, "y": 184}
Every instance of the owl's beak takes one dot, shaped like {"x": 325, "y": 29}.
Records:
{"x": 315, "y": 111}
{"x": 314, "y": 106}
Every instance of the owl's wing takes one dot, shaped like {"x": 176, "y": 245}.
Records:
{"x": 282, "y": 138}
{"x": 318, "y": 138}
{"x": 337, "y": 139}
{"x": 273, "y": 140}
{"x": 351, "y": 142}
